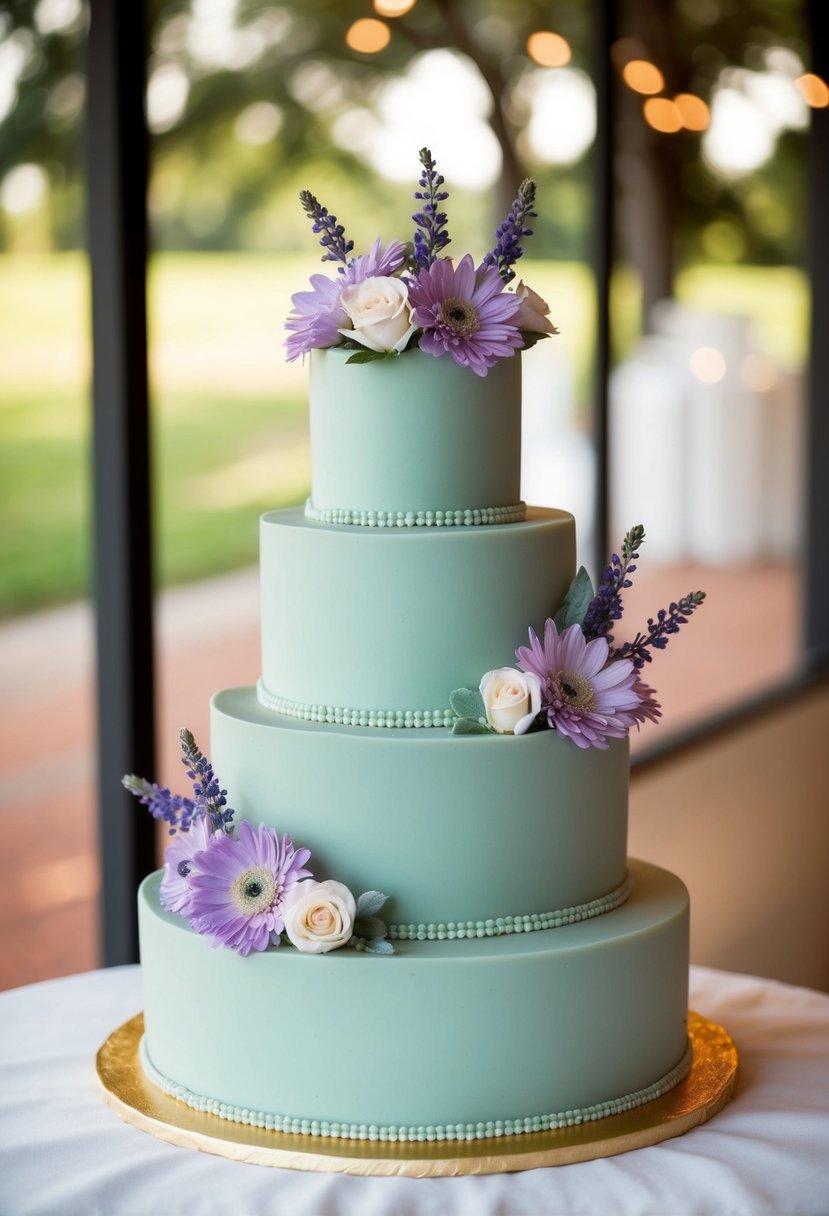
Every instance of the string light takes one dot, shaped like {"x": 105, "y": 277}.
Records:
{"x": 815, "y": 91}
{"x": 368, "y": 36}
{"x": 643, "y": 76}
{"x": 662, "y": 115}
{"x": 693, "y": 112}
{"x": 549, "y": 50}
{"x": 393, "y": 8}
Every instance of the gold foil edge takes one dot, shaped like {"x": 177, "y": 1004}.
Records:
{"x": 704, "y": 1091}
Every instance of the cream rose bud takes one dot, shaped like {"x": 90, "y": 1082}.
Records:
{"x": 511, "y": 699}
{"x": 380, "y": 313}
{"x": 319, "y": 916}
{"x": 532, "y": 315}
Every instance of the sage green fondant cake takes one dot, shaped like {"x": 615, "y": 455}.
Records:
{"x": 537, "y": 978}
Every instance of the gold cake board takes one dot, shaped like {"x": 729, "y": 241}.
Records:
{"x": 705, "y": 1090}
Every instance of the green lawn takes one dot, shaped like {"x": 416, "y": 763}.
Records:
{"x": 229, "y": 424}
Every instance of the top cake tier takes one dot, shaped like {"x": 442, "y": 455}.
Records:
{"x": 407, "y": 441}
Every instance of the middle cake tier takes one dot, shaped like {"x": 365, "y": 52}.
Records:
{"x": 468, "y": 836}
{"x": 377, "y": 626}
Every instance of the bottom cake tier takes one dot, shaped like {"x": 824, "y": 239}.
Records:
{"x": 442, "y": 1040}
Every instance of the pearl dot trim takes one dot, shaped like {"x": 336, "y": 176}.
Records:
{"x": 393, "y": 1132}
{"x": 503, "y": 925}
{"x": 462, "y": 517}
{"x": 416, "y": 718}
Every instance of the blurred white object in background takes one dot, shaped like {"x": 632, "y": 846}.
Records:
{"x": 558, "y": 462}
{"x": 706, "y": 437}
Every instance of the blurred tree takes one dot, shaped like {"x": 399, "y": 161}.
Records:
{"x": 244, "y": 96}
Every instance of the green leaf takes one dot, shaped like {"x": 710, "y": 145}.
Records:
{"x": 467, "y": 703}
{"x": 576, "y": 601}
{"x": 370, "y": 902}
{"x": 470, "y": 726}
{"x": 379, "y": 946}
{"x": 366, "y": 356}
{"x": 530, "y": 338}
{"x": 369, "y": 927}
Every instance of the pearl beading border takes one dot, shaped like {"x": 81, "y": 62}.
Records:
{"x": 439, "y": 1132}
{"x": 353, "y": 717}
{"x": 503, "y": 925}
{"x": 463, "y": 517}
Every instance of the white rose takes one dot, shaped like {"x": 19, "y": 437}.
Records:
{"x": 511, "y": 698}
{"x": 380, "y": 313}
{"x": 319, "y": 916}
{"x": 532, "y": 315}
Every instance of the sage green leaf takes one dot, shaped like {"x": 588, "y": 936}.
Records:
{"x": 370, "y": 902}
{"x": 576, "y": 601}
{"x": 379, "y": 946}
{"x": 471, "y": 726}
{"x": 530, "y": 338}
{"x": 369, "y": 927}
{"x": 366, "y": 356}
{"x": 467, "y": 703}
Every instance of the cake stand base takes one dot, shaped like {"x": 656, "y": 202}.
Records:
{"x": 705, "y": 1090}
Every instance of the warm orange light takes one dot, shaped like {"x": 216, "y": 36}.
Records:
{"x": 643, "y": 76}
{"x": 693, "y": 112}
{"x": 393, "y": 8}
{"x": 548, "y": 49}
{"x": 662, "y": 115}
{"x": 815, "y": 91}
{"x": 368, "y": 36}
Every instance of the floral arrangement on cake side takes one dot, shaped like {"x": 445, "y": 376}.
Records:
{"x": 576, "y": 680}
{"x": 248, "y": 888}
{"x": 410, "y": 295}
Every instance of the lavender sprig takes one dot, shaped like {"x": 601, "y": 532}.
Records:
{"x": 667, "y": 622}
{"x": 177, "y": 811}
{"x": 606, "y": 605}
{"x": 433, "y": 237}
{"x": 210, "y": 797}
{"x": 509, "y": 234}
{"x": 333, "y": 234}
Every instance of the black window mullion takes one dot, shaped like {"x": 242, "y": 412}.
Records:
{"x": 117, "y": 181}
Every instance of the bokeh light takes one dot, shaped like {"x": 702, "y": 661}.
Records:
{"x": 662, "y": 115}
{"x": 549, "y": 50}
{"x": 815, "y": 91}
{"x": 693, "y": 112}
{"x": 708, "y": 364}
{"x": 643, "y": 76}
{"x": 393, "y": 8}
{"x": 368, "y": 36}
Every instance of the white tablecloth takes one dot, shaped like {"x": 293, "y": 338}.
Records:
{"x": 63, "y": 1152}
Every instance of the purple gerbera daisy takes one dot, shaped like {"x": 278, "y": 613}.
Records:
{"x": 240, "y": 887}
{"x": 179, "y": 868}
{"x": 375, "y": 263}
{"x": 465, "y": 313}
{"x": 648, "y": 709}
{"x": 587, "y": 698}
{"x": 317, "y": 317}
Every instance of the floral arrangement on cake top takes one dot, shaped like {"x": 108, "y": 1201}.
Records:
{"x": 387, "y": 301}
{"x": 575, "y": 680}
{"x": 248, "y": 888}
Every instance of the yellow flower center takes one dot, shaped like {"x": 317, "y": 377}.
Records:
{"x": 254, "y": 891}
{"x": 575, "y": 690}
{"x": 459, "y": 315}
